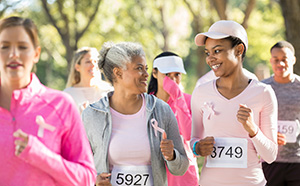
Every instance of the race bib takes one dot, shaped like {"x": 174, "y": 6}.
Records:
{"x": 132, "y": 175}
{"x": 289, "y": 129}
{"x": 228, "y": 153}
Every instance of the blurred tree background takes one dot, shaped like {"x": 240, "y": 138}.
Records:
{"x": 159, "y": 25}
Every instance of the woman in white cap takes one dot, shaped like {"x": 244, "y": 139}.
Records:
{"x": 234, "y": 117}
{"x": 165, "y": 84}
{"x": 134, "y": 136}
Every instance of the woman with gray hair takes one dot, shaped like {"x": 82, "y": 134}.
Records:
{"x": 84, "y": 82}
{"x": 133, "y": 135}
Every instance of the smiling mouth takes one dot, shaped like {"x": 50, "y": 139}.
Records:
{"x": 13, "y": 65}
{"x": 215, "y": 66}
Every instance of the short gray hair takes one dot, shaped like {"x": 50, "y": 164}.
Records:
{"x": 117, "y": 56}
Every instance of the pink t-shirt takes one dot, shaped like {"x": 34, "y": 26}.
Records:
{"x": 214, "y": 115}
{"x": 129, "y": 142}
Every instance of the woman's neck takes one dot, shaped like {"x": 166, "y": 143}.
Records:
{"x": 126, "y": 103}
{"x": 233, "y": 85}
{"x": 6, "y": 90}
{"x": 84, "y": 83}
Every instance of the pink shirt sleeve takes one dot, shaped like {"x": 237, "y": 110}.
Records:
{"x": 74, "y": 164}
{"x": 179, "y": 106}
{"x": 265, "y": 141}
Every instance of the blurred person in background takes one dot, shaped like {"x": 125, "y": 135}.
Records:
{"x": 285, "y": 170}
{"x": 84, "y": 82}
{"x": 165, "y": 84}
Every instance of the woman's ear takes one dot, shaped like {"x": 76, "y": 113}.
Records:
{"x": 239, "y": 49}
{"x": 37, "y": 54}
{"x": 117, "y": 73}
{"x": 77, "y": 67}
{"x": 154, "y": 73}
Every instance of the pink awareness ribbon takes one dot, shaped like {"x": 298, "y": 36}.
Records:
{"x": 209, "y": 108}
{"x": 156, "y": 127}
{"x": 43, "y": 125}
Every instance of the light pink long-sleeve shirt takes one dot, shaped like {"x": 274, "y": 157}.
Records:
{"x": 62, "y": 157}
{"x": 220, "y": 121}
{"x": 180, "y": 103}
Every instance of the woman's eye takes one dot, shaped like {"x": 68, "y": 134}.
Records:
{"x": 4, "y": 47}
{"x": 207, "y": 54}
{"x": 217, "y": 51}
{"x": 23, "y": 47}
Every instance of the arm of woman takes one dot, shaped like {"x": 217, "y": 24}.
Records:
{"x": 74, "y": 164}
{"x": 200, "y": 146}
{"x": 265, "y": 141}
{"x": 179, "y": 165}
{"x": 182, "y": 110}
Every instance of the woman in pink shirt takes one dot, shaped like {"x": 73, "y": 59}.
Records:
{"x": 165, "y": 84}
{"x": 43, "y": 141}
{"x": 234, "y": 117}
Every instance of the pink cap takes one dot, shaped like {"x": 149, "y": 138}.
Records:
{"x": 222, "y": 29}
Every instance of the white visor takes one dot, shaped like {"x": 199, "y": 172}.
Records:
{"x": 169, "y": 64}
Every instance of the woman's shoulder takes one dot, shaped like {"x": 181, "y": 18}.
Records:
{"x": 258, "y": 85}
{"x": 205, "y": 87}
{"x": 152, "y": 102}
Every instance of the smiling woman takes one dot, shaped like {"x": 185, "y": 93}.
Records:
{"x": 123, "y": 127}
{"x": 234, "y": 117}
{"x": 85, "y": 84}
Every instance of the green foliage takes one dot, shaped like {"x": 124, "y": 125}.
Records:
{"x": 141, "y": 21}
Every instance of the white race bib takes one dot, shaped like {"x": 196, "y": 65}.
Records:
{"x": 132, "y": 175}
{"x": 289, "y": 129}
{"x": 228, "y": 153}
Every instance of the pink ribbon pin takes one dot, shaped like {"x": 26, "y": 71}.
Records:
{"x": 209, "y": 108}
{"x": 156, "y": 127}
{"x": 43, "y": 125}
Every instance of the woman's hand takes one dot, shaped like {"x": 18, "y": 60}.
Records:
{"x": 245, "y": 117}
{"x": 204, "y": 147}
{"x": 103, "y": 179}
{"x": 281, "y": 140}
{"x": 20, "y": 143}
{"x": 167, "y": 148}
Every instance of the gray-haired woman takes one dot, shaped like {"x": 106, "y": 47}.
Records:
{"x": 133, "y": 135}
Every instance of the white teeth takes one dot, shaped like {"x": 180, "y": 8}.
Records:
{"x": 215, "y": 66}
{"x": 13, "y": 65}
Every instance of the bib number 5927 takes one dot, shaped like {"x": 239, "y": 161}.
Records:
{"x": 129, "y": 179}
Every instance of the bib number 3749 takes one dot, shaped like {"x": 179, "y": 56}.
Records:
{"x": 228, "y": 153}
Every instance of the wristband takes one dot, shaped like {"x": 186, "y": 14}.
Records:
{"x": 194, "y": 149}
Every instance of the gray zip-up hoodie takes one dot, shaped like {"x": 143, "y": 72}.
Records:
{"x": 98, "y": 125}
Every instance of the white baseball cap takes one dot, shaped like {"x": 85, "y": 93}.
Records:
{"x": 167, "y": 64}
{"x": 222, "y": 29}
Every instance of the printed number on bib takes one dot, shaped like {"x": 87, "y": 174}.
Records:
{"x": 130, "y": 179}
{"x": 228, "y": 152}
{"x": 289, "y": 129}
{"x": 132, "y": 176}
